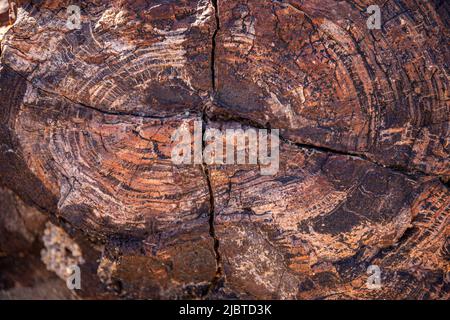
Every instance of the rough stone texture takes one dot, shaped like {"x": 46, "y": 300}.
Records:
{"x": 313, "y": 69}
{"x": 85, "y": 141}
{"x": 22, "y": 273}
{"x": 20, "y": 225}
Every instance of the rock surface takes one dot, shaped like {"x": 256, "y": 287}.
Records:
{"x": 86, "y": 175}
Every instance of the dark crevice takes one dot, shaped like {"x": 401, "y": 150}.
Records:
{"x": 413, "y": 174}
{"x": 213, "y": 49}
{"x": 221, "y": 115}
{"x": 219, "y": 270}
{"x": 215, "y": 282}
{"x": 79, "y": 103}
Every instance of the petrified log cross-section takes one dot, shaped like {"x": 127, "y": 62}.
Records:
{"x": 88, "y": 114}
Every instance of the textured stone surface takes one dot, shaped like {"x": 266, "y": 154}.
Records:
{"x": 314, "y": 69}
{"x": 22, "y": 273}
{"x": 86, "y": 122}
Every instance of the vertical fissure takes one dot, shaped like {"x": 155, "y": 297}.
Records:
{"x": 213, "y": 51}
{"x": 212, "y": 215}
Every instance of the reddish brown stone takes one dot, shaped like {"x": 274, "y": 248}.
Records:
{"x": 85, "y": 149}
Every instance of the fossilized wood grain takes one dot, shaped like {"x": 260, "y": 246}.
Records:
{"x": 315, "y": 70}
{"x": 85, "y": 136}
{"x": 112, "y": 62}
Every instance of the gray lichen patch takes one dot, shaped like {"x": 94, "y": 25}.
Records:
{"x": 61, "y": 252}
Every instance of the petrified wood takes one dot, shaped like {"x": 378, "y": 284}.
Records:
{"x": 86, "y": 123}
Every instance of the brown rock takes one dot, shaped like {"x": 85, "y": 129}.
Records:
{"x": 86, "y": 127}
